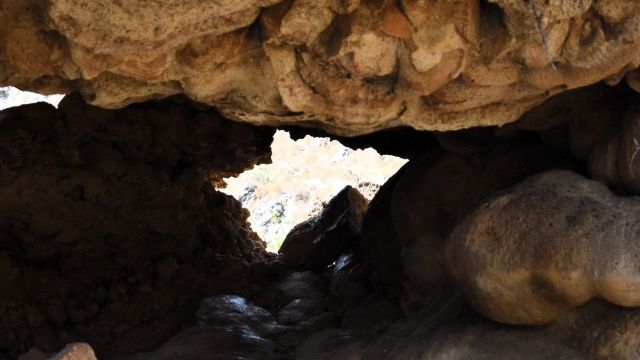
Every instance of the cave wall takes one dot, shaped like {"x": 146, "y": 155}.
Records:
{"x": 110, "y": 223}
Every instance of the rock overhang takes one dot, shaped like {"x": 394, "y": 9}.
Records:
{"x": 347, "y": 67}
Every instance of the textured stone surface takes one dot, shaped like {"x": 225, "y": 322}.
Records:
{"x": 551, "y": 243}
{"x": 614, "y": 158}
{"x": 406, "y": 234}
{"x": 350, "y": 67}
{"x": 108, "y": 219}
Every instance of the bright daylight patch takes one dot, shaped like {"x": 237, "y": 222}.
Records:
{"x": 304, "y": 175}
{"x": 10, "y": 97}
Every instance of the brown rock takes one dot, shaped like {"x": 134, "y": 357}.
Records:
{"x": 431, "y": 195}
{"x": 103, "y": 196}
{"x": 550, "y": 243}
{"x": 319, "y": 241}
{"x": 353, "y": 67}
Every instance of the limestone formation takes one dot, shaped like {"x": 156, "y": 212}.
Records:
{"x": 350, "y": 67}
{"x": 551, "y": 243}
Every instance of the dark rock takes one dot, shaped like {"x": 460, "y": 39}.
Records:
{"x": 123, "y": 201}
{"x": 407, "y": 224}
{"x": 300, "y": 310}
{"x": 615, "y": 160}
{"x": 229, "y": 327}
{"x": 348, "y": 278}
{"x": 232, "y": 310}
{"x": 319, "y": 241}
{"x": 372, "y": 314}
{"x": 213, "y": 343}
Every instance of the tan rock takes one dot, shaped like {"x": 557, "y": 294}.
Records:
{"x": 75, "y": 351}
{"x": 550, "y": 243}
{"x": 349, "y": 67}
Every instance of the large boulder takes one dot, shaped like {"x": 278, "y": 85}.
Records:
{"x": 408, "y": 223}
{"x": 550, "y": 243}
{"x": 319, "y": 241}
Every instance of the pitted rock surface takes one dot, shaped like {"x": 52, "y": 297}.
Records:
{"x": 550, "y": 243}
{"x": 349, "y": 67}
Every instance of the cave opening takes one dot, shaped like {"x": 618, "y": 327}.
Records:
{"x": 302, "y": 177}
{"x": 11, "y": 97}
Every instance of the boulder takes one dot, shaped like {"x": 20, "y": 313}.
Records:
{"x": 319, "y": 241}
{"x": 229, "y": 327}
{"x": 549, "y": 244}
{"x": 300, "y": 310}
{"x": 108, "y": 217}
{"x": 408, "y": 223}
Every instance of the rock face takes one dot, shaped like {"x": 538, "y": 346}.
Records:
{"x": 112, "y": 231}
{"x": 551, "y": 243}
{"x": 350, "y": 67}
{"x": 108, "y": 218}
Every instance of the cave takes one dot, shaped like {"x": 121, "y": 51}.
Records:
{"x": 500, "y": 236}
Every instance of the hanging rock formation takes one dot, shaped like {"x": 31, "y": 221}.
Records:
{"x": 350, "y": 67}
